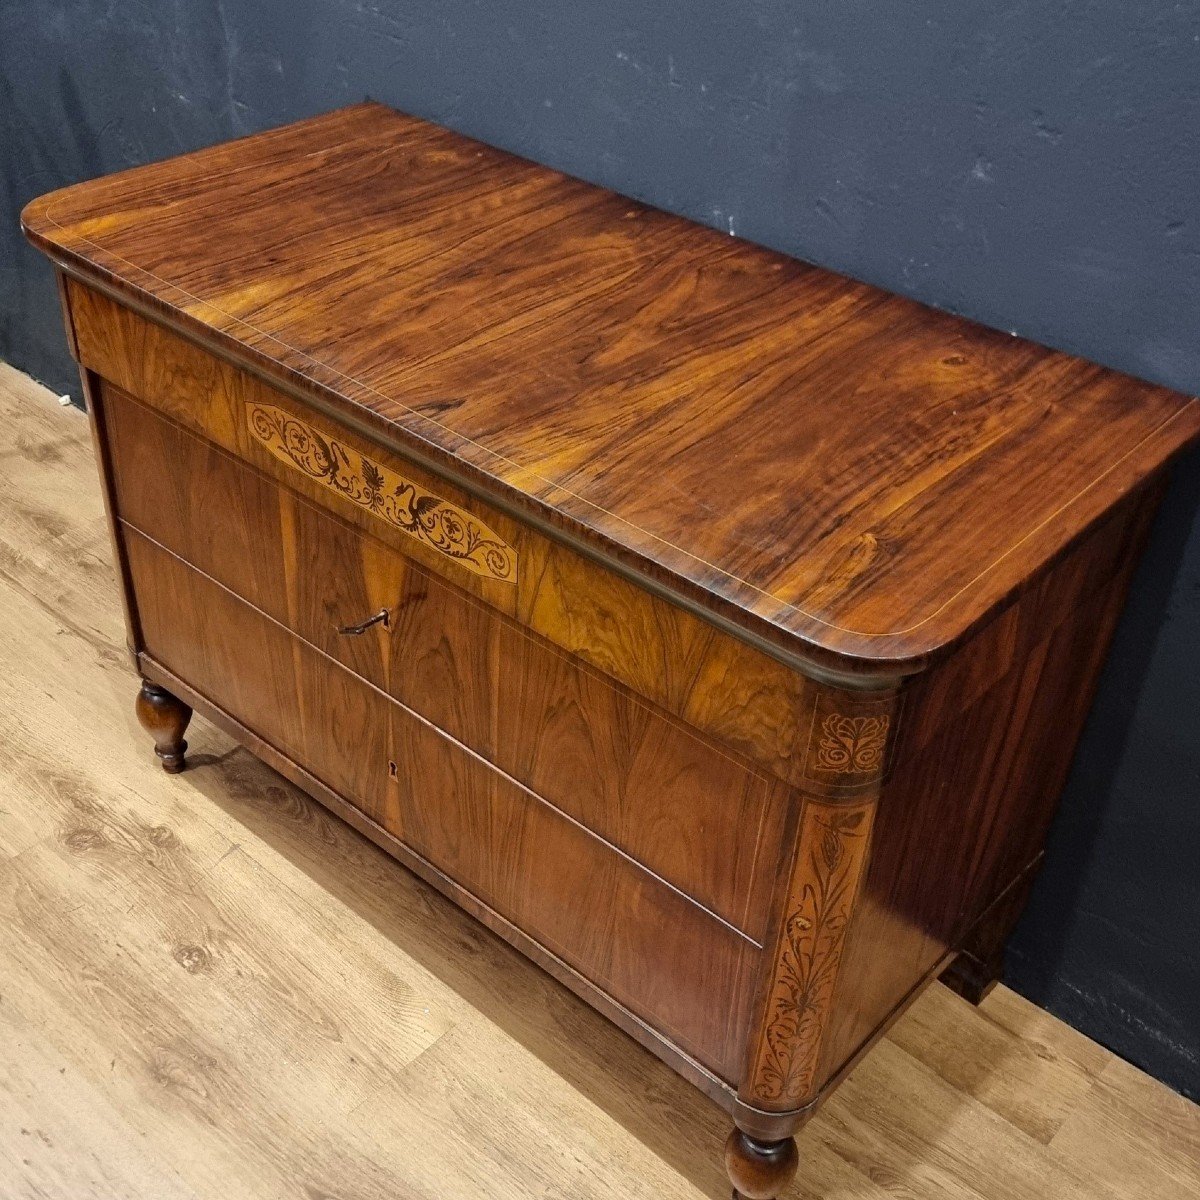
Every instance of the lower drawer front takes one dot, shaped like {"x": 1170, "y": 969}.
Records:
{"x": 645, "y": 944}
{"x": 694, "y": 816}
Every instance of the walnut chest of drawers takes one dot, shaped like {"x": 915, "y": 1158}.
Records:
{"x": 716, "y": 629}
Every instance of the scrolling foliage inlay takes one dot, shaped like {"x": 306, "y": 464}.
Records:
{"x": 408, "y": 507}
{"x": 834, "y": 840}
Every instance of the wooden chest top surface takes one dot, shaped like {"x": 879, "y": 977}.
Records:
{"x": 835, "y": 469}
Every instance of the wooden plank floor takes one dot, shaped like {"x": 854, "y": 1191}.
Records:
{"x": 210, "y": 988}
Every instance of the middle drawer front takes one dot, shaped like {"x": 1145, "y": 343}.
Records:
{"x": 657, "y": 953}
{"x": 690, "y": 813}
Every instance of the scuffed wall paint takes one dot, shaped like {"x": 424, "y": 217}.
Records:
{"x": 1033, "y": 166}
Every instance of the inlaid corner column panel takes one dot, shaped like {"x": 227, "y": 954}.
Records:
{"x": 849, "y": 745}
{"x": 716, "y": 630}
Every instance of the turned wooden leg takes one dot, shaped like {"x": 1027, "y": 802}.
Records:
{"x": 164, "y": 717}
{"x": 759, "y": 1170}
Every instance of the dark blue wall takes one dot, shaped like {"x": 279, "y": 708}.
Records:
{"x": 1035, "y": 166}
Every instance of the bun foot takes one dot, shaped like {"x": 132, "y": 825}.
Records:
{"x": 972, "y": 979}
{"x": 759, "y": 1170}
{"x": 164, "y": 717}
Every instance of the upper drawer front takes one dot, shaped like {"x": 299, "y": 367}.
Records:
{"x": 694, "y": 816}
{"x": 720, "y": 685}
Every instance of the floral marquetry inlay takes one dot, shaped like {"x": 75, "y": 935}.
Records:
{"x": 436, "y": 523}
{"x": 850, "y": 740}
{"x": 852, "y": 745}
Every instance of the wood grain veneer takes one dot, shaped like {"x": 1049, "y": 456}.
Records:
{"x": 715, "y": 629}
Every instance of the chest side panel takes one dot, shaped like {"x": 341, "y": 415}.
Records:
{"x": 983, "y": 755}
